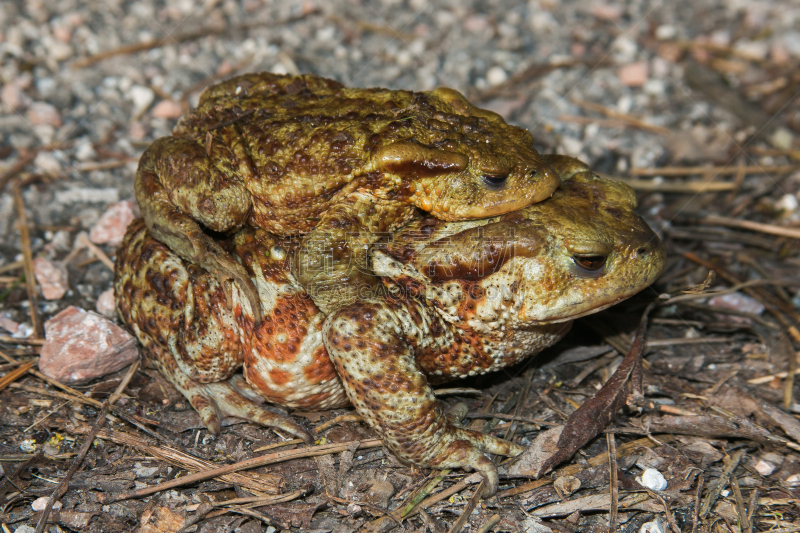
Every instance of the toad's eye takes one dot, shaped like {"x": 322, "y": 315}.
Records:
{"x": 590, "y": 265}
{"x": 494, "y": 181}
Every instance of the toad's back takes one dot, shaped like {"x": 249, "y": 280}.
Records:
{"x": 297, "y": 142}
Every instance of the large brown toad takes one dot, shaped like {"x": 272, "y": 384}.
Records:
{"x": 461, "y": 298}
{"x": 305, "y": 155}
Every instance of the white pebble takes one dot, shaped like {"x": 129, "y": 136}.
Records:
{"x": 496, "y": 76}
{"x": 48, "y": 163}
{"x": 652, "y": 527}
{"x": 40, "y": 503}
{"x": 141, "y": 97}
{"x": 652, "y": 479}
{"x": 665, "y": 32}
{"x": 764, "y": 468}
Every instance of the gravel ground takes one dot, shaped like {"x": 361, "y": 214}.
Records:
{"x": 623, "y": 86}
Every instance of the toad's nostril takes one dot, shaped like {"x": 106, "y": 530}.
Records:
{"x": 642, "y": 251}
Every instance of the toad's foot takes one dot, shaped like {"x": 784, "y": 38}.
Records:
{"x": 374, "y": 345}
{"x": 215, "y": 402}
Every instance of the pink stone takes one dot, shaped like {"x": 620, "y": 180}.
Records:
{"x": 738, "y": 302}
{"x": 8, "y": 324}
{"x": 105, "y": 303}
{"x": 110, "y": 229}
{"x": 44, "y": 113}
{"x": 82, "y": 345}
{"x": 11, "y": 96}
{"x": 634, "y": 74}
{"x": 167, "y": 109}
{"x": 51, "y": 277}
{"x": 608, "y": 12}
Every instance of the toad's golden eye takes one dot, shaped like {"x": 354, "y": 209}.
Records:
{"x": 494, "y": 181}
{"x": 590, "y": 264}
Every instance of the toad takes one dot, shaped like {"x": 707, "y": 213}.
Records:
{"x": 460, "y": 299}
{"x": 303, "y": 155}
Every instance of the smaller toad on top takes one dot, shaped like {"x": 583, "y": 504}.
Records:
{"x": 303, "y": 155}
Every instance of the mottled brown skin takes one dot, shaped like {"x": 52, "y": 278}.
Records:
{"x": 305, "y": 155}
{"x": 459, "y": 299}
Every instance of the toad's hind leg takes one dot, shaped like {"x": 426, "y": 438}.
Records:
{"x": 178, "y": 187}
{"x": 215, "y": 402}
{"x": 373, "y": 344}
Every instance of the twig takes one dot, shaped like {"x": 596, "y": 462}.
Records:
{"x": 14, "y": 374}
{"x": 124, "y": 383}
{"x": 16, "y": 168}
{"x": 697, "y": 493}
{"x": 719, "y": 171}
{"x": 512, "y": 418}
{"x": 63, "y": 485}
{"x": 97, "y": 252}
{"x": 771, "y": 229}
{"x": 614, "y": 482}
{"x": 248, "y": 464}
{"x": 734, "y": 288}
{"x": 722, "y": 482}
{"x": 485, "y": 528}
{"x": 27, "y": 259}
{"x": 751, "y": 510}
{"x": 13, "y": 340}
{"x": 471, "y": 504}
{"x": 182, "y": 37}
{"x": 740, "y": 510}
{"x": 627, "y": 119}
{"x": 20, "y": 469}
{"x": 687, "y": 187}
{"x": 181, "y": 459}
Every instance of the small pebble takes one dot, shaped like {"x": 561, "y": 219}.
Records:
{"x": 652, "y": 479}
{"x": 47, "y": 163}
{"x": 105, "y": 304}
{"x": 39, "y": 504}
{"x": 764, "y": 468}
{"x": 167, "y": 109}
{"x": 110, "y": 228}
{"x": 566, "y": 485}
{"x": 496, "y": 76}
{"x": 11, "y": 96}
{"x": 652, "y": 527}
{"x": 8, "y": 324}
{"x": 634, "y": 74}
{"x": 43, "y": 113}
{"x": 144, "y": 471}
{"x": 141, "y": 97}
{"x": 787, "y": 203}
{"x": 738, "y": 302}
{"x": 610, "y": 12}
{"x": 51, "y": 277}
{"x": 666, "y": 32}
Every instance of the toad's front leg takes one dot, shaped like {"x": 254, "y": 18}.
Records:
{"x": 373, "y": 346}
{"x": 332, "y": 263}
{"x": 179, "y": 186}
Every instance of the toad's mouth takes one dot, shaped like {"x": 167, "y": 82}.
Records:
{"x": 595, "y": 309}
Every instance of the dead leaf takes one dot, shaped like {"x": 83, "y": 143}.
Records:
{"x": 594, "y": 415}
